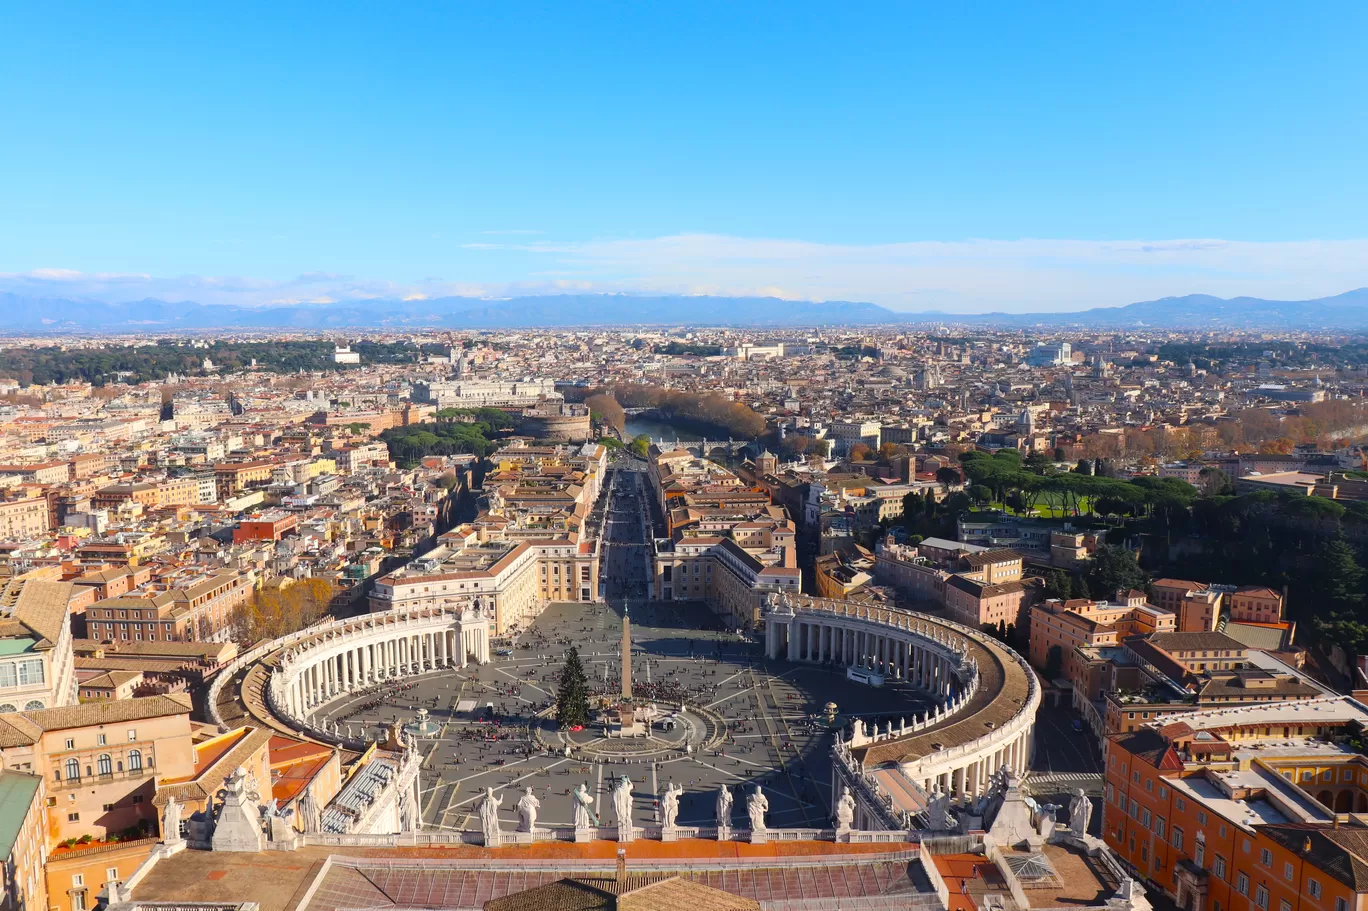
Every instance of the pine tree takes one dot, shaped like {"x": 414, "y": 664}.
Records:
{"x": 572, "y": 696}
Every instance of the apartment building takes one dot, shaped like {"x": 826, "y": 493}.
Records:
{"x": 24, "y": 518}
{"x": 534, "y": 545}
{"x": 1067, "y": 625}
{"x": 99, "y": 761}
{"x": 1197, "y": 605}
{"x": 1244, "y": 809}
{"x": 192, "y": 607}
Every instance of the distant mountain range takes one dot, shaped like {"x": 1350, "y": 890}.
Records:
{"x": 21, "y": 313}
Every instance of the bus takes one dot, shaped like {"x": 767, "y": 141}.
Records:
{"x": 864, "y": 675}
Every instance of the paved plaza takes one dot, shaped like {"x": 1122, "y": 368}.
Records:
{"x": 748, "y": 720}
{"x": 776, "y": 735}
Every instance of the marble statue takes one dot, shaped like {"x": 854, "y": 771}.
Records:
{"x": 528, "y": 805}
{"x": 845, "y": 810}
{"x": 1045, "y": 820}
{"x": 724, "y": 808}
{"x": 584, "y": 816}
{"x": 171, "y": 821}
{"x": 622, "y": 806}
{"x": 938, "y": 813}
{"x": 669, "y": 805}
{"x": 489, "y": 819}
{"x": 757, "y": 805}
{"x": 1080, "y": 813}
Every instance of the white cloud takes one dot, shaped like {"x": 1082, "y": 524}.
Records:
{"x": 957, "y": 276}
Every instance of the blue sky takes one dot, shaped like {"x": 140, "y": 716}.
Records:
{"x": 1013, "y": 156}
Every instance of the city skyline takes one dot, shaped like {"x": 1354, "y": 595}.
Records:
{"x": 917, "y": 159}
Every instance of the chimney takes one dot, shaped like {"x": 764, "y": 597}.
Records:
{"x": 621, "y": 866}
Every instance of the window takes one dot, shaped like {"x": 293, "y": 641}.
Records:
{"x": 108, "y": 808}
{"x": 1181, "y": 804}
{"x": 1266, "y": 857}
{"x": 1159, "y": 827}
{"x": 101, "y": 740}
{"x": 103, "y": 765}
{"x": 1341, "y": 904}
{"x": 70, "y": 744}
{"x": 1313, "y": 886}
{"x": 1284, "y": 905}
{"x": 73, "y": 770}
{"x": 1199, "y": 854}
{"x": 33, "y": 705}
{"x": 73, "y": 817}
{"x": 31, "y": 672}
{"x": 1242, "y": 884}
{"x": 1178, "y": 838}
{"x": 1201, "y": 818}
{"x": 1288, "y": 873}
{"x": 1261, "y": 897}
{"x": 1218, "y": 866}
{"x": 135, "y": 760}
{"x": 1149, "y": 785}
{"x": 78, "y": 880}
{"x": 1145, "y": 818}
{"x": 132, "y": 734}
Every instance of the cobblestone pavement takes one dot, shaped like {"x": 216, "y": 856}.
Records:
{"x": 776, "y": 738}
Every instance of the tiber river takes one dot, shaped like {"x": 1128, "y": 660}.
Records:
{"x": 661, "y": 430}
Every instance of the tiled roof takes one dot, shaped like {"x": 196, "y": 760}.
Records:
{"x": 108, "y": 712}
{"x": 42, "y": 607}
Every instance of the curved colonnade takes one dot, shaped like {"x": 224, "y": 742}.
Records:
{"x": 314, "y": 666}
{"x": 986, "y": 696}
{"x": 986, "y": 700}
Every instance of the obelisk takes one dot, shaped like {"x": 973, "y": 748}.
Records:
{"x": 626, "y": 656}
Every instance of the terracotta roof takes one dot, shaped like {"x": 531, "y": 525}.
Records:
{"x": 217, "y": 760}
{"x": 42, "y": 607}
{"x": 1171, "y": 642}
{"x": 636, "y": 892}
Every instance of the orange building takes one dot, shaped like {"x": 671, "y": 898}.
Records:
{"x": 1243, "y": 809}
{"x": 269, "y": 526}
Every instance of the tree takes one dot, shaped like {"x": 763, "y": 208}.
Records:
{"x": 1057, "y": 584}
{"x": 606, "y": 410}
{"x": 912, "y": 509}
{"x": 640, "y": 445}
{"x": 1114, "y": 569}
{"x": 279, "y": 609}
{"x": 946, "y": 475}
{"x": 860, "y": 452}
{"x": 1085, "y": 466}
{"x": 1054, "y": 663}
{"x": 572, "y": 695}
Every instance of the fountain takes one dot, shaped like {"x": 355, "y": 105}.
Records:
{"x": 423, "y": 726}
